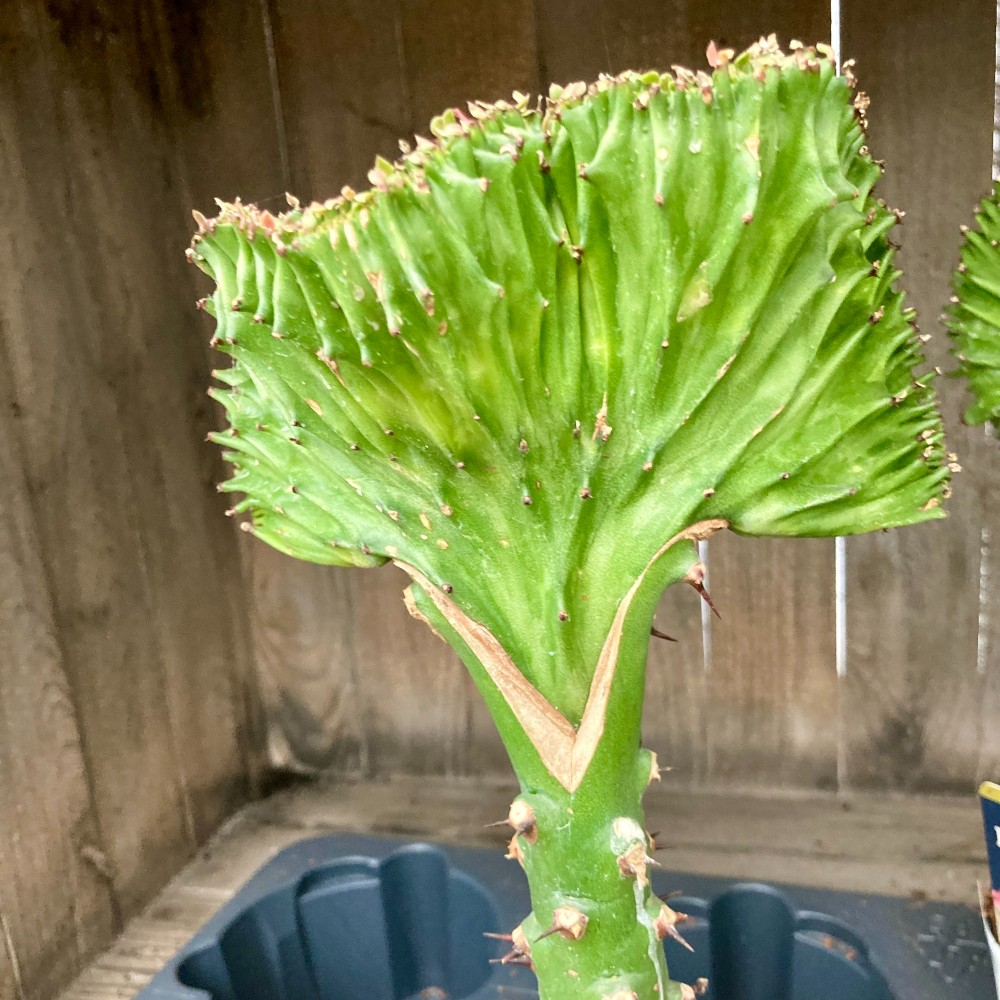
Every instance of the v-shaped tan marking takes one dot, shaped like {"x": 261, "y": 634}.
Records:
{"x": 565, "y": 751}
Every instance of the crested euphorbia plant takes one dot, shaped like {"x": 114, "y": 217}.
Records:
{"x": 973, "y": 317}
{"x": 551, "y": 349}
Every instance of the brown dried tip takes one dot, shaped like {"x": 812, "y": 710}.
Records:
{"x": 696, "y": 578}
{"x": 654, "y": 775}
{"x": 521, "y": 819}
{"x": 718, "y": 57}
{"x": 567, "y": 922}
{"x": 520, "y": 952}
{"x": 634, "y": 862}
{"x": 666, "y": 923}
{"x": 514, "y": 852}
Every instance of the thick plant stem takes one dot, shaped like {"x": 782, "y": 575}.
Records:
{"x": 595, "y": 931}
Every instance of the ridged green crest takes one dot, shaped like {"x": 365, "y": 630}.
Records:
{"x": 552, "y": 337}
{"x": 973, "y": 317}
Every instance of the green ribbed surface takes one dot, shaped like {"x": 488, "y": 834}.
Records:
{"x": 551, "y": 339}
{"x": 413, "y": 365}
{"x": 973, "y": 317}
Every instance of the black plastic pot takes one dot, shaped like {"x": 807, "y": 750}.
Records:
{"x": 364, "y": 918}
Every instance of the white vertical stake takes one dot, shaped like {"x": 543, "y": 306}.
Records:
{"x": 840, "y": 545}
{"x": 996, "y": 97}
{"x": 985, "y": 536}
{"x": 706, "y": 614}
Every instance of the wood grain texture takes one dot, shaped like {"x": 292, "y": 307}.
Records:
{"x": 67, "y": 355}
{"x": 580, "y": 38}
{"x": 675, "y": 718}
{"x": 985, "y": 726}
{"x": 913, "y": 695}
{"x": 56, "y": 906}
{"x": 926, "y": 848}
{"x": 772, "y": 697}
{"x": 344, "y": 90}
{"x": 102, "y": 396}
{"x": 448, "y": 64}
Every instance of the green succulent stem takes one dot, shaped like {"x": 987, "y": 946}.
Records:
{"x": 587, "y": 851}
{"x": 552, "y": 348}
{"x": 973, "y": 315}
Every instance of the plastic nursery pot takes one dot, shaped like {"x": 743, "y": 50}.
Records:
{"x": 359, "y": 928}
{"x": 757, "y": 947}
{"x": 355, "y": 918}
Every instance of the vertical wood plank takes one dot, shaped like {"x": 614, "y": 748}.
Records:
{"x": 913, "y": 693}
{"x": 365, "y": 687}
{"x": 675, "y": 717}
{"x": 762, "y": 711}
{"x": 305, "y": 635}
{"x": 449, "y": 61}
{"x": 344, "y": 90}
{"x": 144, "y": 591}
{"x": 56, "y": 905}
{"x": 984, "y": 730}
{"x": 773, "y": 687}
{"x": 230, "y": 137}
{"x": 579, "y": 39}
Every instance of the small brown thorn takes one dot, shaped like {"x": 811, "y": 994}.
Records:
{"x": 498, "y": 937}
{"x": 513, "y": 957}
{"x": 567, "y": 922}
{"x": 521, "y": 819}
{"x": 656, "y": 633}
{"x": 514, "y": 852}
{"x": 696, "y": 578}
{"x": 674, "y": 933}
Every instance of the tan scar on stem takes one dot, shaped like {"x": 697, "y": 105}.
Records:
{"x": 565, "y": 751}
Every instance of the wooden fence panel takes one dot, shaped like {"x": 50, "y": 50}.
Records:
{"x": 129, "y": 608}
{"x": 913, "y": 691}
{"x": 763, "y": 703}
{"x": 67, "y": 357}
{"x": 103, "y": 404}
{"x": 56, "y": 904}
